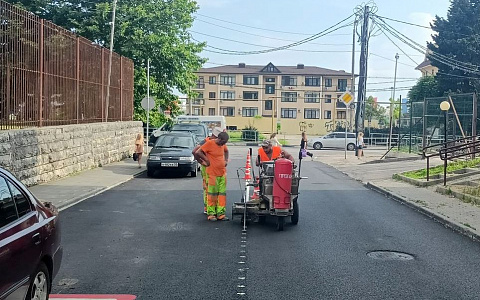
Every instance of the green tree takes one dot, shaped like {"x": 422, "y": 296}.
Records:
{"x": 457, "y": 37}
{"x": 424, "y": 88}
{"x": 373, "y": 111}
{"x": 144, "y": 29}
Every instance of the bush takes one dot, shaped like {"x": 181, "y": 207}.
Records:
{"x": 250, "y": 133}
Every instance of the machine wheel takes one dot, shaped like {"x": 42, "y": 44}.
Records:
{"x": 317, "y": 146}
{"x": 295, "y": 213}
{"x": 150, "y": 172}
{"x": 280, "y": 223}
{"x": 351, "y": 147}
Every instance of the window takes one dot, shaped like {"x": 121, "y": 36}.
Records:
{"x": 211, "y": 111}
{"x": 227, "y": 111}
{"x": 212, "y": 79}
{"x": 21, "y": 201}
{"x": 289, "y": 113}
{"x": 250, "y": 95}
{"x": 289, "y": 80}
{"x": 211, "y": 95}
{"x": 200, "y": 83}
{"x": 312, "y": 113}
{"x": 342, "y": 85}
{"x": 312, "y": 81}
{"x": 227, "y": 95}
{"x": 197, "y": 111}
{"x": 289, "y": 97}
{"x": 327, "y": 114}
{"x": 270, "y": 69}
{"x": 8, "y": 212}
{"x": 341, "y": 114}
{"x": 227, "y": 80}
{"x": 269, "y": 79}
{"x": 328, "y": 98}
{"x": 312, "y": 98}
{"x": 340, "y": 104}
{"x": 268, "y": 105}
{"x": 270, "y": 89}
{"x": 250, "y": 80}
{"x": 328, "y": 82}
{"x": 200, "y": 96}
{"x": 249, "y": 111}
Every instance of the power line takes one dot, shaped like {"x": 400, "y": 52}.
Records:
{"x": 392, "y": 60}
{"x": 408, "y": 23}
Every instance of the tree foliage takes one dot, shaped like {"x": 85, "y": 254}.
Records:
{"x": 457, "y": 37}
{"x": 144, "y": 29}
{"x": 375, "y": 111}
{"x": 424, "y": 88}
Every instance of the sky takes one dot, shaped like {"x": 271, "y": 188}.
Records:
{"x": 287, "y": 21}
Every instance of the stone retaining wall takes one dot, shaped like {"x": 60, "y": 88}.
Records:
{"x": 38, "y": 155}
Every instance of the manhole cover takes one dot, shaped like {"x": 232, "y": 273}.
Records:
{"x": 390, "y": 255}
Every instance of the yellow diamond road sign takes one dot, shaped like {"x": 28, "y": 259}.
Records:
{"x": 347, "y": 98}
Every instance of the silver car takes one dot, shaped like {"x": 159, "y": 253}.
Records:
{"x": 333, "y": 140}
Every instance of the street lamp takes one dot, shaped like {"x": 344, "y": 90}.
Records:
{"x": 445, "y": 106}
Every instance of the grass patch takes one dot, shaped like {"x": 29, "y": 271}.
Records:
{"x": 283, "y": 142}
{"x": 451, "y": 167}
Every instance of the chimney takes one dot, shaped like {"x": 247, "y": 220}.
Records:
{"x": 300, "y": 66}
{"x": 241, "y": 65}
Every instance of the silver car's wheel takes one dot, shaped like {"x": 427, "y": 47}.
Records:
{"x": 317, "y": 146}
{"x": 351, "y": 147}
{"x": 39, "y": 286}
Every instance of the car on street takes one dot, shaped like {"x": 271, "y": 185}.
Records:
{"x": 172, "y": 152}
{"x": 200, "y": 130}
{"x": 333, "y": 140}
{"x": 30, "y": 242}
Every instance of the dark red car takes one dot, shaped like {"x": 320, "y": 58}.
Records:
{"x": 30, "y": 242}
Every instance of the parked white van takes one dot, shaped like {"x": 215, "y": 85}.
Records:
{"x": 333, "y": 140}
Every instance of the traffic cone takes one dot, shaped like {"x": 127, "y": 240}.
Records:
{"x": 248, "y": 177}
{"x": 256, "y": 191}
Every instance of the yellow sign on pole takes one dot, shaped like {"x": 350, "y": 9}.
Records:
{"x": 347, "y": 98}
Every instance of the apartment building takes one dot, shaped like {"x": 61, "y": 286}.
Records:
{"x": 295, "y": 97}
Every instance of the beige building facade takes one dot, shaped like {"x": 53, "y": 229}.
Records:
{"x": 284, "y": 99}
{"x": 426, "y": 68}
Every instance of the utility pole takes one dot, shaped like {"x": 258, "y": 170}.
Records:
{"x": 362, "y": 81}
{"x": 107, "y": 98}
{"x": 352, "y": 87}
{"x": 393, "y": 102}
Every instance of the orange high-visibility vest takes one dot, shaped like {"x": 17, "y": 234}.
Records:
{"x": 276, "y": 153}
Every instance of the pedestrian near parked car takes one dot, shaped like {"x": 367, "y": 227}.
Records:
{"x": 214, "y": 155}
{"x": 139, "y": 148}
{"x": 274, "y": 140}
{"x": 303, "y": 146}
{"x": 203, "y": 170}
{"x": 360, "y": 145}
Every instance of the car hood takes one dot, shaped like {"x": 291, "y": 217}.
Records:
{"x": 171, "y": 151}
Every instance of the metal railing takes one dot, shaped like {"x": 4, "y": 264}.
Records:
{"x": 50, "y": 76}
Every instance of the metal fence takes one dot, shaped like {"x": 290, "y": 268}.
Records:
{"x": 50, "y": 76}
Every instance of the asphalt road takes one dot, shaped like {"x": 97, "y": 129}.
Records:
{"x": 149, "y": 237}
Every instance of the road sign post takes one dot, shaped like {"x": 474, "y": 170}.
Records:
{"x": 347, "y": 98}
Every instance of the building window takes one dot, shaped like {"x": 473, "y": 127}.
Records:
{"x": 328, "y": 98}
{"x": 269, "y": 79}
{"x": 289, "y": 113}
{"x": 327, "y": 114}
{"x": 227, "y": 80}
{"x": 312, "y": 113}
{"x": 312, "y": 81}
{"x": 250, "y": 80}
{"x": 289, "y": 80}
{"x": 227, "y": 95}
{"x": 250, "y": 95}
{"x": 312, "y": 98}
{"x": 328, "y": 82}
{"x": 211, "y": 111}
{"x": 268, "y": 104}
{"x": 340, "y": 104}
{"x": 197, "y": 111}
{"x": 270, "y": 89}
{"x": 289, "y": 96}
{"x": 341, "y": 114}
{"x": 212, "y": 79}
{"x": 249, "y": 111}
{"x": 200, "y": 96}
{"x": 342, "y": 85}
{"x": 200, "y": 83}
{"x": 227, "y": 111}
{"x": 211, "y": 95}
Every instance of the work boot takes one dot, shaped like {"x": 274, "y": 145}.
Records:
{"x": 223, "y": 218}
{"x": 212, "y": 218}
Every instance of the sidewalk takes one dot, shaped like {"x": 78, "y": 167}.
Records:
{"x": 377, "y": 175}
{"x": 68, "y": 191}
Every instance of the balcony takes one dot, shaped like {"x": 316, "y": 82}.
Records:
{"x": 200, "y": 86}
{"x": 196, "y": 102}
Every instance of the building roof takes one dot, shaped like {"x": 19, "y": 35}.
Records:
{"x": 424, "y": 64}
{"x": 286, "y": 70}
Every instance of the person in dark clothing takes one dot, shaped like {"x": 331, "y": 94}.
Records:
{"x": 303, "y": 145}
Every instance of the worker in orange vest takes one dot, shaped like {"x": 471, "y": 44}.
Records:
{"x": 268, "y": 152}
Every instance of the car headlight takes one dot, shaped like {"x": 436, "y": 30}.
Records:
{"x": 154, "y": 157}
{"x": 190, "y": 158}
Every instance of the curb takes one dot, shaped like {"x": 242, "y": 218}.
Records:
{"x": 86, "y": 196}
{"x": 437, "y": 218}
